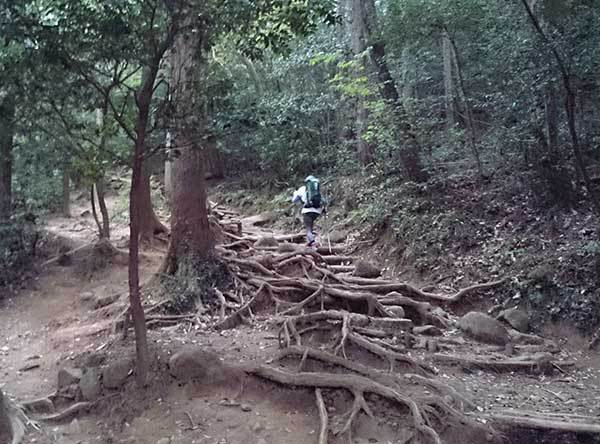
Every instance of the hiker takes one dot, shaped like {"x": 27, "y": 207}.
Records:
{"x": 313, "y": 205}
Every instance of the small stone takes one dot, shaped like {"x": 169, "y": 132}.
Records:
{"x": 164, "y": 441}
{"x": 337, "y": 236}
{"x": 86, "y": 296}
{"x": 193, "y": 363}
{"x": 115, "y": 374}
{"x": 366, "y": 269}
{"x": 258, "y": 427}
{"x": 90, "y": 384}
{"x": 484, "y": 328}
{"x": 68, "y": 376}
{"x": 516, "y": 318}
{"x": 246, "y": 408}
{"x": 395, "y": 311}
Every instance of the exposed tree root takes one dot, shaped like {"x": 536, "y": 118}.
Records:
{"x": 539, "y": 364}
{"x": 68, "y": 412}
{"x": 530, "y": 420}
{"x": 380, "y": 286}
{"x": 357, "y": 385}
{"x": 324, "y": 428}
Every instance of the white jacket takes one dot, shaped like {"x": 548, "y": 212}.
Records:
{"x": 300, "y": 196}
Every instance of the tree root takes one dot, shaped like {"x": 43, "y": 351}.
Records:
{"x": 380, "y": 286}
{"x": 355, "y": 384}
{"x": 323, "y": 429}
{"x": 523, "y": 419}
{"x": 538, "y": 365}
{"x": 68, "y": 412}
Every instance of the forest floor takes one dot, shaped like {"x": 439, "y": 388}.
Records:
{"x": 65, "y": 318}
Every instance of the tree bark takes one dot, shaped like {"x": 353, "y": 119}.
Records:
{"x": 470, "y": 125}
{"x": 101, "y": 192}
{"x": 365, "y": 25}
{"x": 150, "y": 225}
{"x": 191, "y": 237}
{"x": 358, "y": 37}
{"x": 570, "y": 103}
{"x": 144, "y": 99}
{"x": 7, "y": 131}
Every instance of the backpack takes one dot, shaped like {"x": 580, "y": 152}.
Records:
{"x": 313, "y": 193}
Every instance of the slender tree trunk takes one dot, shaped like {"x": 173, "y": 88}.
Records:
{"x": 358, "y": 37}
{"x": 570, "y": 103}
{"x": 366, "y": 29}
{"x": 551, "y": 111}
{"x": 95, "y": 212}
{"x": 101, "y": 192}
{"x": 448, "y": 81}
{"x": 191, "y": 237}
{"x": 7, "y": 131}
{"x": 364, "y": 149}
{"x": 66, "y": 190}
{"x": 465, "y": 98}
{"x": 150, "y": 225}
{"x": 144, "y": 99}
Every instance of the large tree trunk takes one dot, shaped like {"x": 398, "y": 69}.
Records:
{"x": 191, "y": 238}
{"x": 150, "y": 225}
{"x": 7, "y": 131}
{"x": 364, "y": 20}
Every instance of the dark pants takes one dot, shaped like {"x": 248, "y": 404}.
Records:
{"x": 309, "y": 222}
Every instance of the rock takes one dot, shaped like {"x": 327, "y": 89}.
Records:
{"x": 337, "y": 236}
{"x": 258, "y": 427}
{"x": 266, "y": 241}
{"x": 86, "y": 296}
{"x": 516, "y": 318}
{"x": 95, "y": 359}
{"x": 366, "y": 269}
{"x": 260, "y": 219}
{"x": 74, "y": 428}
{"x": 428, "y": 330}
{"x": 484, "y": 328}
{"x": 90, "y": 384}
{"x": 116, "y": 373}
{"x": 194, "y": 363}
{"x": 164, "y": 441}
{"x": 395, "y": 311}
{"x": 68, "y": 376}
{"x": 246, "y": 408}
{"x": 85, "y": 213}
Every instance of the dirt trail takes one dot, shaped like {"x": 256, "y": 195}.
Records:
{"x": 48, "y": 325}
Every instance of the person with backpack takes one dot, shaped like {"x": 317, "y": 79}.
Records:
{"x": 313, "y": 205}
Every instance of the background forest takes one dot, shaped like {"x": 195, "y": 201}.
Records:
{"x": 476, "y": 118}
